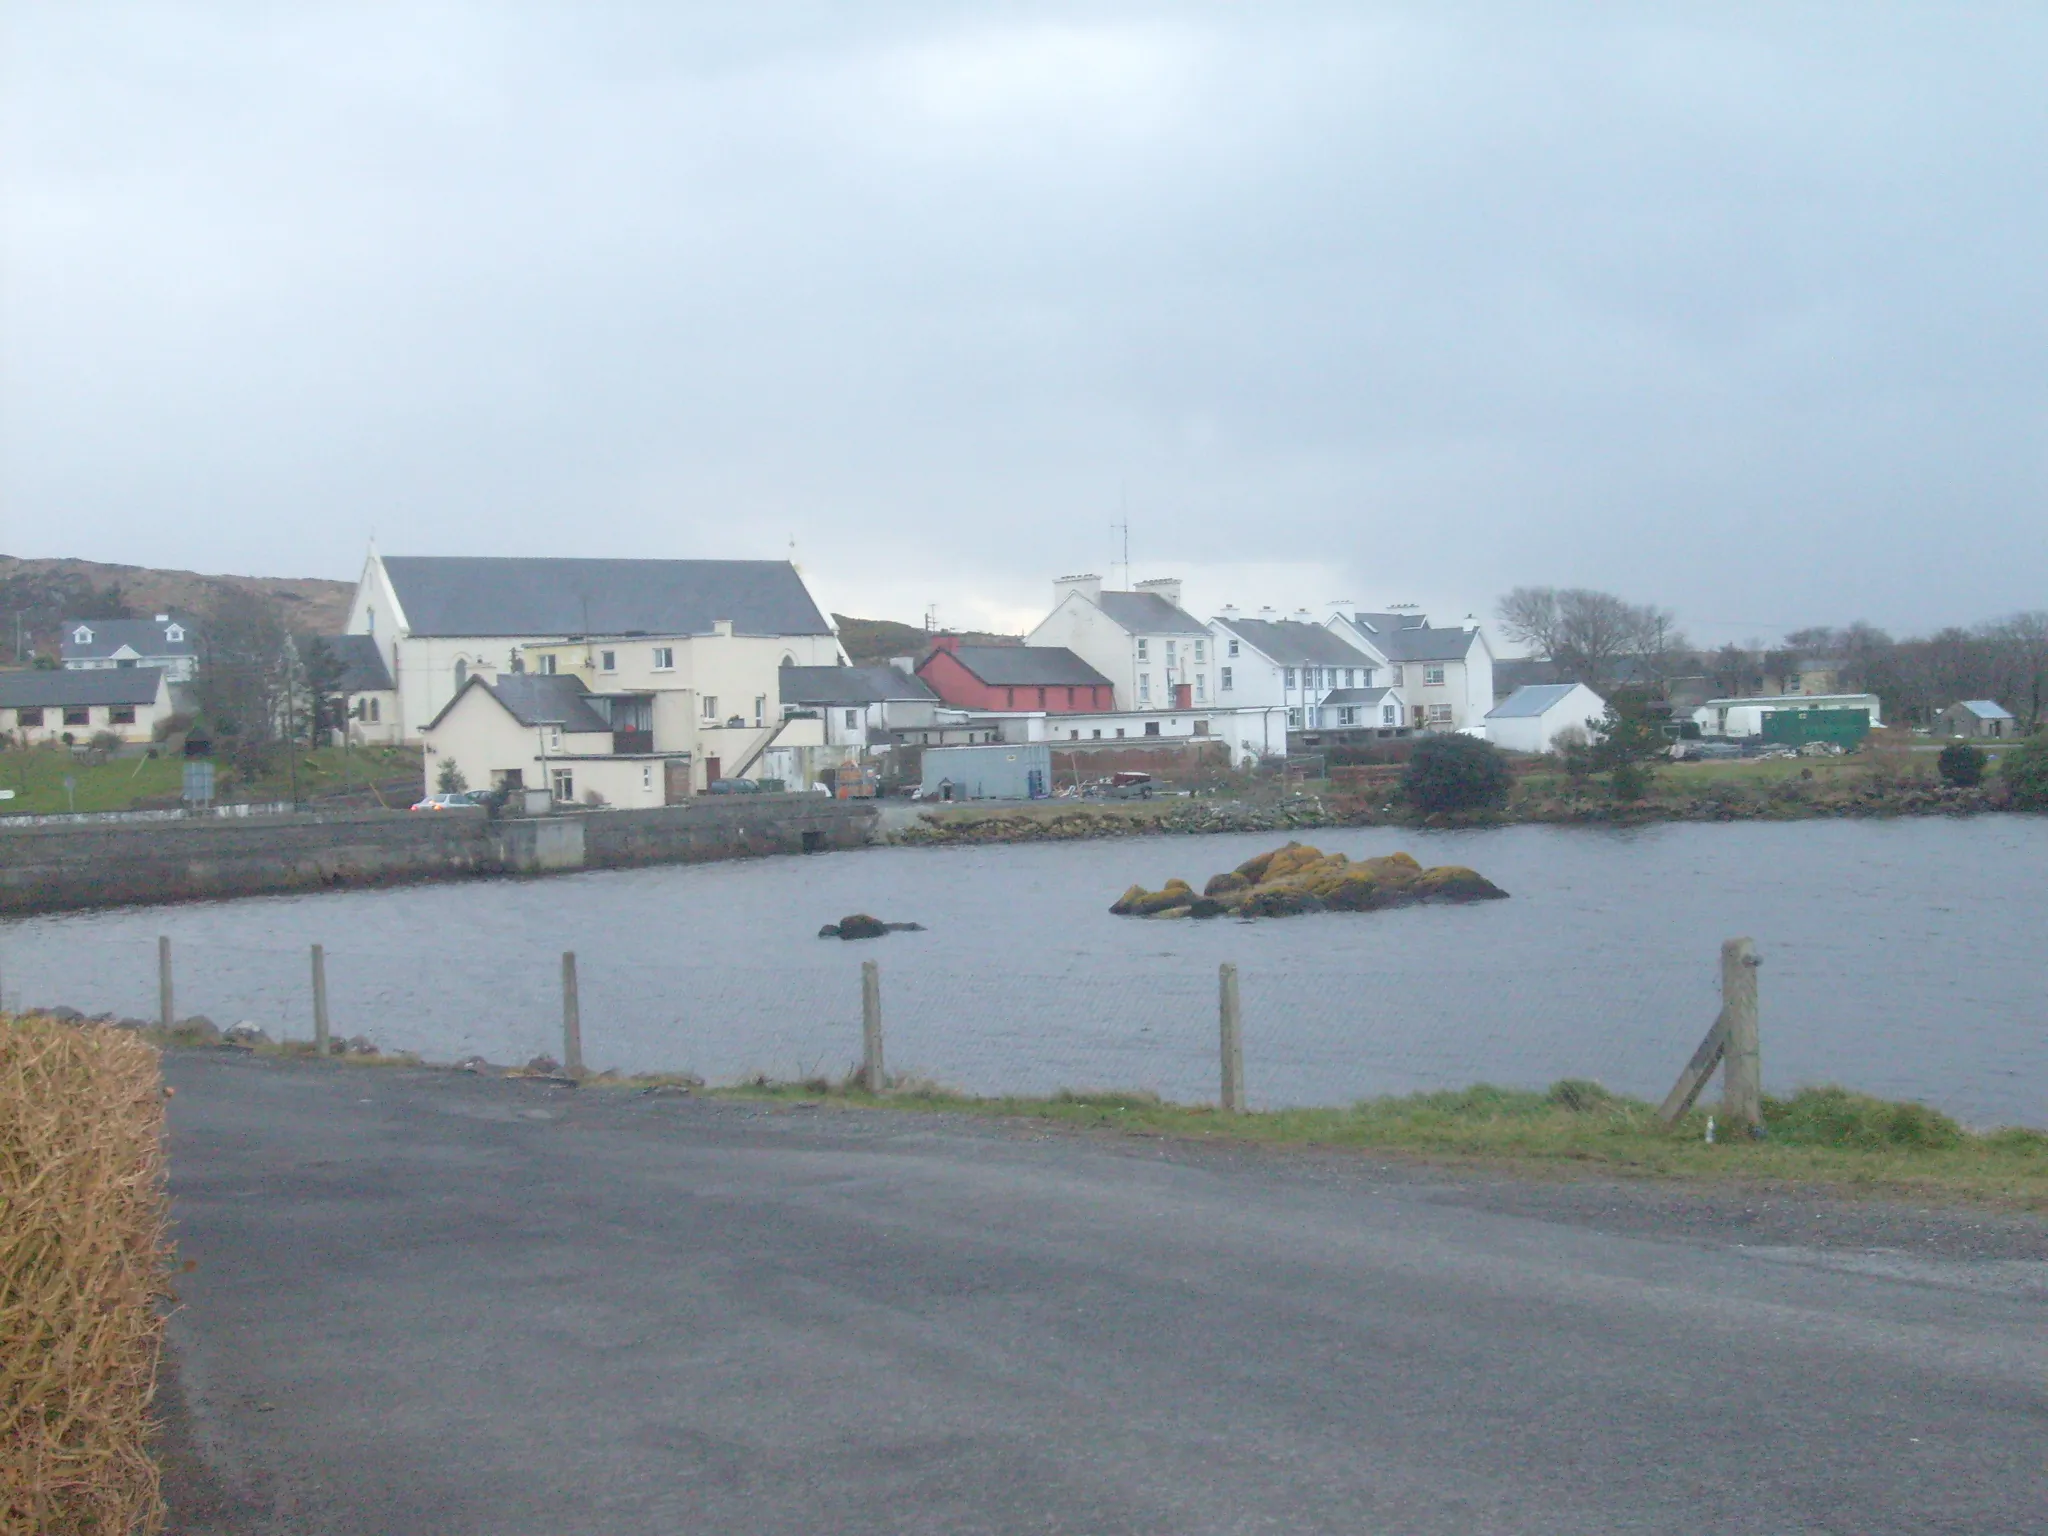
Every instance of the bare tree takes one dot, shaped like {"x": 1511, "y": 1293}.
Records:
{"x": 247, "y": 670}
{"x": 1589, "y": 634}
{"x": 2023, "y": 641}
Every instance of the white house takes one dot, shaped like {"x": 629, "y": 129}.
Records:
{"x": 1444, "y": 673}
{"x": 861, "y": 706}
{"x": 1533, "y": 717}
{"x": 166, "y": 642}
{"x": 1745, "y": 716}
{"x": 711, "y": 633}
{"x": 526, "y": 731}
{"x": 1313, "y": 677}
{"x": 127, "y": 702}
{"x": 1154, "y": 652}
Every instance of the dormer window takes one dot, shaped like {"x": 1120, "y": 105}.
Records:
{"x": 174, "y": 633}
{"x": 81, "y": 636}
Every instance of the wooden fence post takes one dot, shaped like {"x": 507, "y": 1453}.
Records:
{"x": 1230, "y": 1012}
{"x": 320, "y": 1030}
{"x": 872, "y": 1075}
{"x": 572, "y": 1018}
{"x": 1742, "y": 1076}
{"x": 166, "y": 1006}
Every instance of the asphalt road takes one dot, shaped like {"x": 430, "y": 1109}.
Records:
{"x": 432, "y": 1303}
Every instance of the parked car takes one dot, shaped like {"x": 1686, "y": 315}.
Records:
{"x": 1712, "y": 750}
{"x": 1130, "y": 786}
{"x": 734, "y": 787}
{"x": 461, "y": 799}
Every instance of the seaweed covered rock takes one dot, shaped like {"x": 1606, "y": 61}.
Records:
{"x": 858, "y": 926}
{"x": 1299, "y": 878}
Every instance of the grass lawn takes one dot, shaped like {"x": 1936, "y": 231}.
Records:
{"x": 37, "y": 778}
{"x": 1820, "y": 1137}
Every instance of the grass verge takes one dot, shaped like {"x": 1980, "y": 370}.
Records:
{"x": 1820, "y": 1136}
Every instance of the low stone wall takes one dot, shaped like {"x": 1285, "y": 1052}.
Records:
{"x": 51, "y": 868}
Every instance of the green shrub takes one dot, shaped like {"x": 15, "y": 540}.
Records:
{"x": 1456, "y": 773}
{"x": 1835, "y": 1117}
{"x": 1961, "y": 765}
{"x": 1630, "y": 781}
{"x": 2025, "y": 771}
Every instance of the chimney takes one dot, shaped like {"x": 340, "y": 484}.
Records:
{"x": 1167, "y": 587}
{"x": 1229, "y": 611}
{"x": 903, "y": 663}
{"x": 722, "y": 628}
{"x": 163, "y": 618}
{"x": 947, "y": 643}
{"x": 1089, "y": 587}
{"x": 1266, "y": 612}
{"x": 1302, "y": 616}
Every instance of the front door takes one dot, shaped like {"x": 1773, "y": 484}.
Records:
{"x": 711, "y": 774}
{"x": 675, "y": 785}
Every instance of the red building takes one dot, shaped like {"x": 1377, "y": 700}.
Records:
{"x": 992, "y": 677}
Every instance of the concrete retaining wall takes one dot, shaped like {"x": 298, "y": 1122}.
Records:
{"x": 49, "y": 868}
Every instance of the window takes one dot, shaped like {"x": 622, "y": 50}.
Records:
{"x": 852, "y": 718}
{"x": 1347, "y": 717}
{"x": 121, "y": 714}
{"x": 1439, "y": 714}
{"x": 1349, "y": 673}
{"x": 1287, "y": 677}
{"x": 1151, "y": 727}
{"x": 1144, "y": 650}
{"x": 81, "y": 636}
{"x": 1201, "y": 727}
{"x": 1119, "y": 733}
{"x": 665, "y": 659}
{"x": 1227, "y": 683}
{"x": 710, "y": 703}
{"x": 1233, "y": 648}
{"x": 1172, "y": 650}
{"x": 647, "y": 776}
{"x": 1201, "y": 685}
{"x": 376, "y": 710}
{"x": 1144, "y": 687}
{"x": 1367, "y": 671}
{"x": 174, "y": 633}
{"x": 1073, "y": 735}
{"x": 1294, "y": 719}
{"x": 760, "y": 709}
{"x": 1201, "y": 651}
{"x": 76, "y": 715}
{"x": 1388, "y": 715}
{"x": 554, "y": 738}
{"x": 369, "y": 621}
{"x": 1009, "y": 698}
{"x": 607, "y": 661}
{"x": 547, "y": 665}
{"x": 461, "y": 673}
{"x": 25, "y": 718}
{"x": 1041, "y": 698}
{"x": 564, "y": 784}
{"x": 1432, "y": 677}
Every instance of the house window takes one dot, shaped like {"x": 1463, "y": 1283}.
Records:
{"x": 760, "y": 708}
{"x": 1201, "y": 651}
{"x": 1144, "y": 687}
{"x": 664, "y": 658}
{"x": 607, "y": 661}
{"x": 121, "y": 714}
{"x": 554, "y": 738}
{"x": 1151, "y": 727}
{"x": 1228, "y": 682}
{"x": 1439, "y": 714}
{"x": 852, "y": 718}
{"x": 1347, "y": 717}
{"x": 1009, "y": 698}
{"x": 76, "y": 716}
{"x": 376, "y": 710}
{"x": 564, "y": 784}
{"x": 1294, "y": 719}
{"x": 1349, "y": 673}
{"x": 646, "y": 776}
{"x": 547, "y": 665}
{"x": 710, "y": 703}
{"x": 1073, "y": 735}
{"x": 1367, "y": 672}
{"x": 1201, "y": 727}
{"x": 81, "y": 636}
{"x": 1172, "y": 650}
{"x": 1201, "y": 685}
{"x": 1095, "y": 735}
{"x": 27, "y": 718}
{"x": 1432, "y": 677}
{"x": 1388, "y": 715}
{"x": 1287, "y": 677}
{"x": 1119, "y": 733}
{"x": 1233, "y": 648}
{"x": 174, "y": 633}
{"x": 1144, "y": 650}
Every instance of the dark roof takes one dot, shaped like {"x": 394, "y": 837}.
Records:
{"x": 145, "y": 637}
{"x": 495, "y": 595}
{"x": 851, "y": 685}
{"x": 1356, "y": 695}
{"x": 1530, "y": 701}
{"x": 1008, "y": 665}
{"x": 97, "y": 685}
{"x": 1383, "y": 623}
{"x": 1291, "y": 642}
{"x": 362, "y": 664}
{"x": 1147, "y": 613}
{"x": 534, "y": 698}
{"x": 1512, "y": 672}
{"x": 1424, "y": 644}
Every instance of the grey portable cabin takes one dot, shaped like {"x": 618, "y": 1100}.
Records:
{"x": 1000, "y": 771}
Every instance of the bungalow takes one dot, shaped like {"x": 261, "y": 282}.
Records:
{"x": 1006, "y": 677}
{"x": 72, "y": 707}
{"x": 1986, "y": 719}
{"x": 1535, "y": 717}
{"x": 1153, "y": 652}
{"x": 167, "y": 641}
{"x": 524, "y": 731}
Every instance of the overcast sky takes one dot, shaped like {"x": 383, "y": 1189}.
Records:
{"x": 1743, "y": 310}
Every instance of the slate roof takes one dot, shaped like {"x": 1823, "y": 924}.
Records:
{"x": 1512, "y": 672}
{"x": 488, "y": 595}
{"x": 145, "y": 637}
{"x": 534, "y": 698}
{"x": 1147, "y": 613}
{"x": 852, "y": 685}
{"x": 1384, "y": 623}
{"x": 1356, "y": 695}
{"x": 1424, "y": 644}
{"x": 1985, "y": 709}
{"x": 1022, "y": 665}
{"x": 1292, "y": 642}
{"x": 59, "y": 689}
{"x": 1530, "y": 701}
{"x": 362, "y": 664}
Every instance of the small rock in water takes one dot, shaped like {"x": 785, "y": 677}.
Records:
{"x": 862, "y": 926}
{"x": 545, "y": 1066}
{"x": 197, "y": 1030}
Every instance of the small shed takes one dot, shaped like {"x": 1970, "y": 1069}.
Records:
{"x": 1000, "y": 771}
{"x": 1534, "y": 716}
{"x": 1984, "y": 718}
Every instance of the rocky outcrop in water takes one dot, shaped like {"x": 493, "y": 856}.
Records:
{"x": 861, "y": 926}
{"x": 1298, "y": 878}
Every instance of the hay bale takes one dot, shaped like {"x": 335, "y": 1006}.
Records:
{"x": 83, "y": 1266}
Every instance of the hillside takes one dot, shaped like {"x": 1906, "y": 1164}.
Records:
{"x": 869, "y": 641}
{"x": 38, "y": 595}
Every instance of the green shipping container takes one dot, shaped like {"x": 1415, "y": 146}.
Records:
{"x": 1796, "y": 727}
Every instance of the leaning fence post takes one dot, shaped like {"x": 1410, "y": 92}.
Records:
{"x": 1742, "y": 1086}
{"x": 166, "y": 1006}
{"x": 572, "y": 1018}
{"x": 1230, "y": 1014}
{"x": 319, "y": 1000}
{"x": 871, "y": 1071}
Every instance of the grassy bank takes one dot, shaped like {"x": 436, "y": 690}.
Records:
{"x": 129, "y": 783}
{"x": 1818, "y": 1137}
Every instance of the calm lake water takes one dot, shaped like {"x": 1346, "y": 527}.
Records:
{"x": 1902, "y": 958}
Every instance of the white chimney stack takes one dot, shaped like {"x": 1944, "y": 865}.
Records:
{"x": 1089, "y": 586}
{"x": 1167, "y": 587}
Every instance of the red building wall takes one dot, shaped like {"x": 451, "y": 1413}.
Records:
{"x": 946, "y": 676}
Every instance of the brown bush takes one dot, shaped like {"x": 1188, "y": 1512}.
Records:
{"x": 83, "y": 1260}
